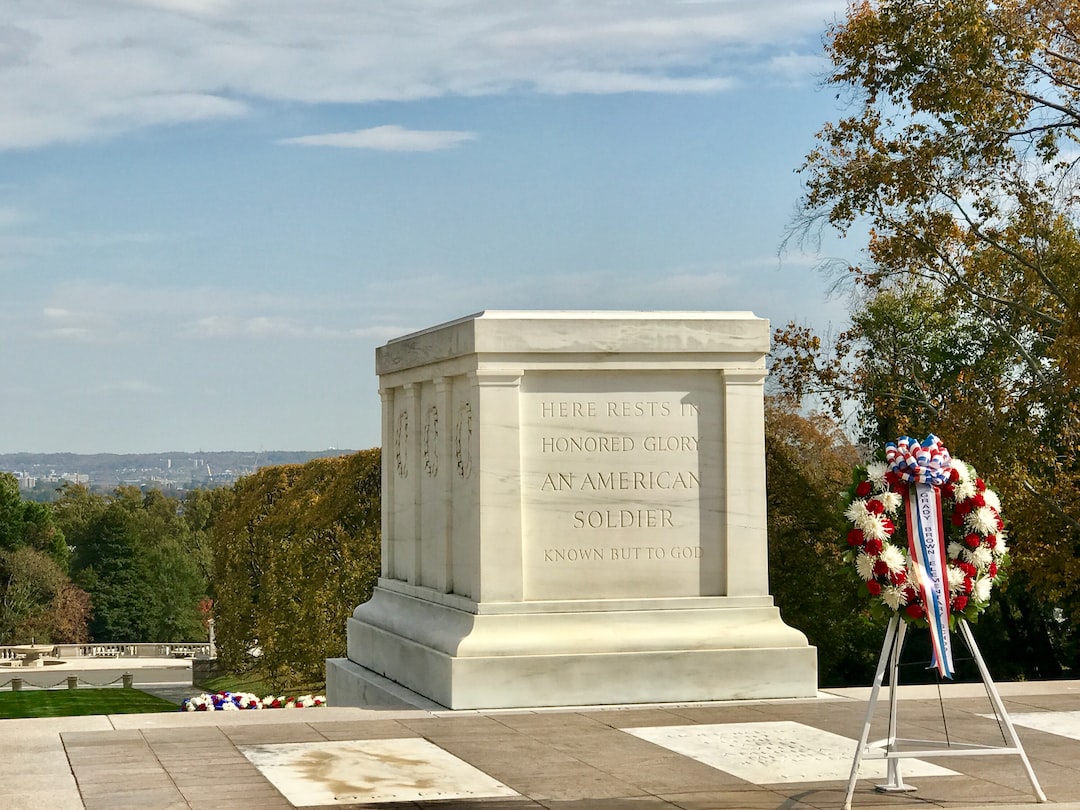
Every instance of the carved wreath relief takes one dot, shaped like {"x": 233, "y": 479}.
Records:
{"x": 401, "y": 444}
{"x": 463, "y": 440}
{"x": 431, "y": 442}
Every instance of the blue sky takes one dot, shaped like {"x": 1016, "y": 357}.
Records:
{"x": 213, "y": 211}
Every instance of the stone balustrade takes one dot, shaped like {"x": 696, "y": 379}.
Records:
{"x": 119, "y": 650}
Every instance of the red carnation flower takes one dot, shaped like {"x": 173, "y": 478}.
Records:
{"x": 873, "y": 546}
{"x": 855, "y": 537}
{"x": 992, "y": 570}
{"x": 957, "y": 518}
{"x": 875, "y": 507}
{"x": 914, "y": 611}
{"x": 991, "y": 540}
{"x": 863, "y": 489}
{"x": 954, "y": 475}
{"x": 963, "y": 507}
{"x": 898, "y": 577}
{"x": 980, "y": 485}
{"x": 910, "y": 595}
{"x": 1000, "y": 524}
{"x": 874, "y": 587}
{"x": 973, "y": 540}
{"x": 969, "y": 584}
{"x": 948, "y": 491}
{"x": 880, "y": 568}
{"x": 888, "y": 525}
{"x": 960, "y": 603}
{"x": 976, "y": 500}
{"x": 892, "y": 478}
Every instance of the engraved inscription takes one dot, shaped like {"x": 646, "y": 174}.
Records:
{"x": 776, "y": 752}
{"x": 599, "y": 554}
{"x": 592, "y": 440}
{"x": 618, "y": 486}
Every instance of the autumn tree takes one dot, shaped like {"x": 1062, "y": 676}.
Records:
{"x": 808, "y": 462}
{"x": 958, "y": 156}
{"x": 38, "y": 602}
{"x": 296, "y": 549}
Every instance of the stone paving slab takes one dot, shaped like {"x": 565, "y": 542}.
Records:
{"x": 577, "y": 759}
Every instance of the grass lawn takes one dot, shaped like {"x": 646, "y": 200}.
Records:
{"x": 71, "y": 702}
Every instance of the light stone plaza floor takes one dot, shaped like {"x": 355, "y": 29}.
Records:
{"x": 790, "y": 754}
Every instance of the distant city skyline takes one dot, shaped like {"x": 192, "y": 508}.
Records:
{"x": 40, "y": 475}
{"x": 213, "y": 211}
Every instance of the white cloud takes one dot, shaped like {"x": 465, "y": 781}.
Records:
{"x": 258, "y": 326}
{"x": 390, "y": 138}
{"x": 79, "y": 325}
{"x": 596, "y": 82}
{"x": 79, "y": 334}
{"x": 11, "y": 216}
{"x": 130, "y": 387}
{"x": 104, "y": 312}
{"x": 694, "y": 283}
{"x": 96, "y": 68}
{"x": 264, "y": 326}
{"x": 799, "y": 68}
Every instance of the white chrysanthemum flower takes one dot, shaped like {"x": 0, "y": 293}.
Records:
{"x": 893, "y": 557}
{"x": 954, "y": 550}
{"x": 893, "y": 597}
{"x": 891, "y": 501}
{"x": 962, "y": 490}
{"x": 981, "y": 557}
{"x": 962, "y": 469}
{"x": 1002, "y": 546}
{"x": 856, "y": 511}
{"x": 992, "y": 500}
{"x": 875, "y": 474}
{"x": 956, "y": 577}
{"x": 981, "y": 591}
{"x": 864, "y": 565}
{"x": 873, "y": 526}
{"x": 983, "y": 520}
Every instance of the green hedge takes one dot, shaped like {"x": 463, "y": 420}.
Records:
{"x": 295, "y": 551}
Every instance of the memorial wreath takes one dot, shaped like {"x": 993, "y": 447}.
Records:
{"x": 901, "y": 549}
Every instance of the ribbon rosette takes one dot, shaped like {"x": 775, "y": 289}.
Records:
{"x": 927, "y": 462}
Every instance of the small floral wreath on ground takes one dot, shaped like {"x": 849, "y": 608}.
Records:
{"x": 243, "y": 701}
{"x": 877, "y": 544}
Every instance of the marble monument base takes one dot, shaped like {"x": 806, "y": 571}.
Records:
{"x": 526, "y": 654}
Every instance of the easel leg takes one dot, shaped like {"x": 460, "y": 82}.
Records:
{"x": 999, "y": 708}
{"x": 895, "y": 783}
{"x": 886, "y": 650}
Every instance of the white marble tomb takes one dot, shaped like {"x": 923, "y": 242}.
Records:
{"x": 574, "y": 513}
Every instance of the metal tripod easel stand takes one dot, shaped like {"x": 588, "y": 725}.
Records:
{"x": 892, "y": 745}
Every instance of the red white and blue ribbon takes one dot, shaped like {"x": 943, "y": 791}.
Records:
{"x": 926, "y": 467}
{"x": 926, "y": 462}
